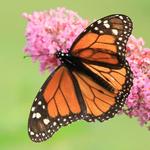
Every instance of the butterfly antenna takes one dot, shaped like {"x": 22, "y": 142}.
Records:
{"x": 26, "y": 56}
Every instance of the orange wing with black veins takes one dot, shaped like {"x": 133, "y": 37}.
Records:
{"x": 104, "y": 41}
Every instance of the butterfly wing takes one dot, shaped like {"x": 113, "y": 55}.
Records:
{"x": 102, "y": 103}
{"x": 104, "y": 41}
{"x": 106, "y": 80}
{"x": 57, "y": 104}
{"x": 68, "y": 96}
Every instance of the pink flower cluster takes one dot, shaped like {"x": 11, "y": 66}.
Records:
{"x": 138, "y": 101}
{"x": 56, "y": 29}
{"x": 51, "y": 31}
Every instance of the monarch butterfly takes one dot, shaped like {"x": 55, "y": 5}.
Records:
{"x": 92, "y": 82}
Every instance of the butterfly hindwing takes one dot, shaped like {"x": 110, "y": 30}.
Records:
{"x": 103, "y": 103}
{"x": 104, "y": 41}
{"x": 57, "y": 104}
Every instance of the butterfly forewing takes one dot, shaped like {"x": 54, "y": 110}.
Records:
{"x": 104, "y": 41}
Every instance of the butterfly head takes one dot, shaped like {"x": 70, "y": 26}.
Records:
{"x": 61, "y": 56}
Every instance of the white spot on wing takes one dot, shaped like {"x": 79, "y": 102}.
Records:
{"x": 33, "y": 109}
{"x": 54, "y": 124}
{"x": 120, "y": 47}
{"x": 101, "y": 31}
{"x": 39, "y": 103}
{"x": 106, "y": 21}
{"x": 49, "y": 131}
{"x": 38, "y": 115}
{"x": 31, "y": 133}
{"x": 107, "y": 25}
{"x": 46, "y": 121}
{"x": 99, "y": 21}
{"x": 33, "y": 115}
{"x": 96, "y": 28}
{"x": 65, "y": 119}
{"x": 115, "y": 31}
{"x": 120, "y": 39}
{"x": 91, "y": 25}
{"x": 121, "y": 17}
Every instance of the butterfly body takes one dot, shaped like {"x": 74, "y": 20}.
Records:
{"x": 68, "y": 60}
{"x": 91, "y": 83}
{"x": 74, "y": 63}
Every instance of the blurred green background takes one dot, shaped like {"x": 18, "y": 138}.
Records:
{"x": 20, "y": 80}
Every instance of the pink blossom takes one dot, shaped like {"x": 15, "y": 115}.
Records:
{"x": 139, "y": 98}
{"x": 51, "y": 31}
